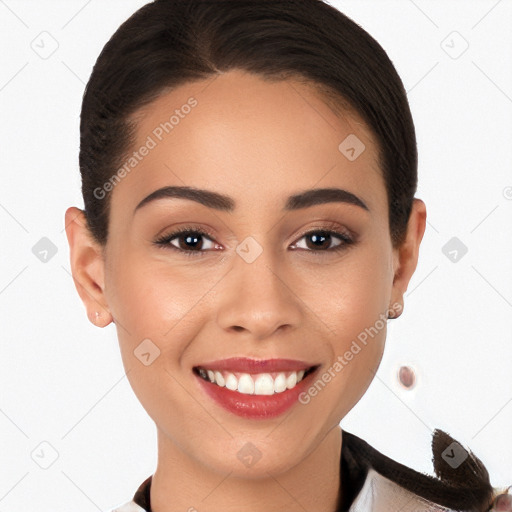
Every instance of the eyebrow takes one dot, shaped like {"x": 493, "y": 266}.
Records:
{"x": 225, "y": 203}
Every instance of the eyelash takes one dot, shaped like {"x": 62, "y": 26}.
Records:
{"x": 164, "y": 241}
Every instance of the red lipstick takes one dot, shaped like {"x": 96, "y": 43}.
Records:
{"x": 250, "y": 405}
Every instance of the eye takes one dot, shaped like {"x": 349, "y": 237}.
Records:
{"x": 321, "y": 240}
{"x": 188, "y": 241}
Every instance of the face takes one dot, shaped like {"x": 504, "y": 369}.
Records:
{"x": 255, "y": 275}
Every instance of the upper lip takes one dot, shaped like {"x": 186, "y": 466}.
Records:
{"x": 245, "y": 365}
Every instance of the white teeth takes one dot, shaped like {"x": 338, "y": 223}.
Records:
{"x": 231, "y": 382}
{"x": 246, "y": 384}
{"x": 291, "y": 380}
{"x": 264, "y": 384}
{"x": 259, "y": 384}
{"x": 280, "y": 383}
{"x": 219, "y": 379}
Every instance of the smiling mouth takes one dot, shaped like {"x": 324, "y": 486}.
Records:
{"x": 254, "y": 383}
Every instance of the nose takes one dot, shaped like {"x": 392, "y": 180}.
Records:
{"x": 258, "y": 298}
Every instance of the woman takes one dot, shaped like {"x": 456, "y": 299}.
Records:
{"x": 248, "y": 173}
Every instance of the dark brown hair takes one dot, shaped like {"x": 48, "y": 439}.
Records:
{"x": 168, "y": 43}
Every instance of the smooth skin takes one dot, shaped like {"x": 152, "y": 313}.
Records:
{"x": 257, "y": 142}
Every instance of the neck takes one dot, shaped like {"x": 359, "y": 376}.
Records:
{"x": 181, "y": 483}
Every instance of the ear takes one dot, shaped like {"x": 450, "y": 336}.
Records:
{"x": 87, "y": 267}
{"x": 406, "y": 256}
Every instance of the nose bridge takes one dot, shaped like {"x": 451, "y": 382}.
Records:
{"x": 256, "y": 296}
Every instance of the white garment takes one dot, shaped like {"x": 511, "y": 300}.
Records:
{"x": 378, "y": 494}
{"x": 129, "y": 506}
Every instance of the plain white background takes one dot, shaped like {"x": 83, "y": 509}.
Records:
{"x": 61, "y": 379}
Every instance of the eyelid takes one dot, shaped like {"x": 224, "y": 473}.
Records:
{"x": 332, "y": 227}
{"x": 185, "y": 228}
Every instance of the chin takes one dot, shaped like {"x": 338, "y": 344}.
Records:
{"x": 253, "y": 456}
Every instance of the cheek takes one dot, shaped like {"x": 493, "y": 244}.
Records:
{"x": 160, "y": 302}
{"x": 362, "y": 325}
{"x": 351, "y": 294}
{"x": 158, "y": 314}
{"x": 151, "y": 296}
{"x": 353, "y": 302}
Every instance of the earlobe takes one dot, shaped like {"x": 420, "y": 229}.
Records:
{"x": 87, "y": 267}
{"x": 406, "y": 256}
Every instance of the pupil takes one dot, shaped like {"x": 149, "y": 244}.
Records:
{"x": 318, "y": 239}
{"x": 192, "y": 239}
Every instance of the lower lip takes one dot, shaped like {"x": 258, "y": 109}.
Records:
{"x": 255, "y": 406}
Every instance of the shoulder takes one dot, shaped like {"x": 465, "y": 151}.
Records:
{"x": 129, "y": 506}
{"x": 141, "y": 501}
{"x": 461, "y": 481}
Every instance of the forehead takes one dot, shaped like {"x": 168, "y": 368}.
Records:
{"x": 254, "y": 140}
